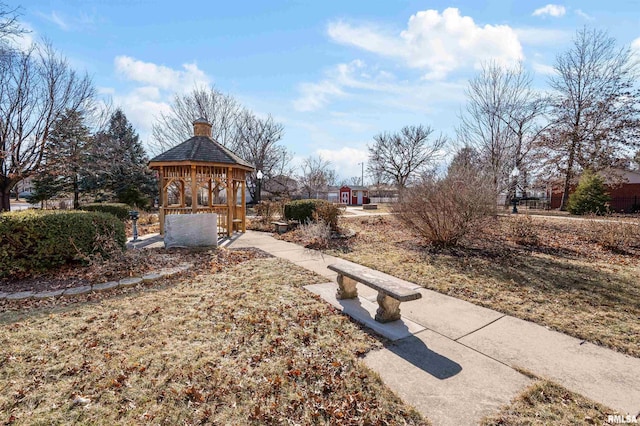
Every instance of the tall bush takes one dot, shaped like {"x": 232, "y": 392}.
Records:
{"x": 590, "y": 196}
{"x": 327, "y": 213}
{"x": 268, "y": 210}
{"x": 40, "y": 240}
{"x": 302, "y": 210}
{"x": 443, "y": 210}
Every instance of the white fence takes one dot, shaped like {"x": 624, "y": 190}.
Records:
{"x": 375, "y": 200}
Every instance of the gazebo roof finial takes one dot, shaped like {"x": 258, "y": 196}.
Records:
{"x": 201, "y": 127}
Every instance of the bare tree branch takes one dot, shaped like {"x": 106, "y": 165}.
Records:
{"x": 36, "y": 87}
{"x": 401, "y": 156}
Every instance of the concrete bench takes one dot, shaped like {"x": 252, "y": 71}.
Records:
{"x": 369, "y": 207}
{"x": 280, "y": 227}
{"x": 391, "y": 290}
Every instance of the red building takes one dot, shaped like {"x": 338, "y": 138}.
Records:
{"x": 354, "y": 195}
{"x": 623, "y": 187}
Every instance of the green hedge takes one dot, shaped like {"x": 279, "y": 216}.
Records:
{"x": 119, "y": 210}
{"x": 34, "y": 241}
{"x": 302, "y": 210}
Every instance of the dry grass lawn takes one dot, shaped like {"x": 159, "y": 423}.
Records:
{"x": 546, "y": 403}
{"x": 245, "y": 345}
{"x": 560, "y": 273}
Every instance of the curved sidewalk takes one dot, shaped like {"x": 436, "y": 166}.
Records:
{"x": 457, "y": 362}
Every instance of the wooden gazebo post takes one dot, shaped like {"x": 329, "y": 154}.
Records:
{"x": 201, "y": 160}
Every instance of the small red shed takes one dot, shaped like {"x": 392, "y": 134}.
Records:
{"x": 354, "y": 195}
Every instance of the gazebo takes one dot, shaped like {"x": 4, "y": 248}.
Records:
{"x": 202, "y": 176}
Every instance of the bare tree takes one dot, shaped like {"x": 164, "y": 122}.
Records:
{"x": 400, "y": 156}
{"x": 317, "y": 175}
{"x": 257, "y": 142}
{"x": 254, "y": 139}
{"x": 502, "y": 121}
{"x": 352, "y": 181}
{"x": 595, "y": 109}
{"x": 174, "y": 127}
{"x": 36, "y": 87}
{"x": 9, "y": 24}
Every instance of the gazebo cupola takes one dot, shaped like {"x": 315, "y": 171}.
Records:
{"x": 202, "y": 176}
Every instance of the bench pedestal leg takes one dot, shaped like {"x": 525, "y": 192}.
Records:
{"x": 346, "y": 288}
{"x": 389, "y": 309}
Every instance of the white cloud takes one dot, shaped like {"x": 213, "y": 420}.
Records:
{"x": 316, "y": 95}
{"x": 584, "y": 15}
{"x": 542, "y": 36}
{"x": 24, "y": 41}
{"x": 161, "y": 76}
{"x": 635, "y": 50}
{"x": 55, "y": 19}
{"x": 154, "y": 86}
{"x": 434, "y": 42}
{"x": 81, "y": 21}
{"x": 543, "y": 68}
{"x": 554, "y": 10}
{"x": 356, "y": 81}
{"x": 142, "y": 105}
{"x": 345, "y": 160}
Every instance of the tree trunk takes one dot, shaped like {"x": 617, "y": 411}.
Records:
{"x": 76, "y": 194}
{"x": 5, "y": 200}
{"x": 567, "y": 177}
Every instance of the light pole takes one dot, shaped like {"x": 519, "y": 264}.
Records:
{"x": 362, "y": 175}
{"x": 514, "y": 174}
{"x": 258, "y": 186}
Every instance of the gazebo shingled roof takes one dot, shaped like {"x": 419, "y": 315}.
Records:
{"x": 201, "y": 149}
{"x": 202, "y": 163}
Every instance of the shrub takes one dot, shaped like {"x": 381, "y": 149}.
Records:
{"x": 613, "y": 235}
{"x": 590, "y": 196}
{"x": 267, "y": 210}
{"x": 317, "y": 235}
{"x": 302, "y": 210}
{"x": 119, "y": 210}
{"x": 327, "y": 213}
{"x": 443, "y": 210}
{"x": 40, "y": 240}
{"x": 133, "y": 196}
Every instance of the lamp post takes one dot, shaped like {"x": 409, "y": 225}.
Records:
{"x": 514, "y": 174}
{"x": 258, "y": 185}
{"x": 134, "y": 215}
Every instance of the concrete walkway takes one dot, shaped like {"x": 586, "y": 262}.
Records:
{"x": 457, "y": 362}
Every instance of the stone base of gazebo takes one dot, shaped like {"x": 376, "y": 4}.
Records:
{"x": 222, "y": 213}
{"x": 191, "y": 230}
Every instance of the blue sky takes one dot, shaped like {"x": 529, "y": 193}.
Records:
{"x": 335, "y": 73}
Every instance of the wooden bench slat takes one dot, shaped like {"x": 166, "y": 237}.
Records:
{"x": 377, "y": 280}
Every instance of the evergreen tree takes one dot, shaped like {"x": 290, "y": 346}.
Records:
{"x": 590, "y": 196}
{"x": 45, "y": 187}
{"x": 67, "y": 162}
{"x": 125, "y": 173}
